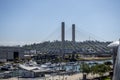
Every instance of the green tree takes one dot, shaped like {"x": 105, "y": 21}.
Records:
{"x": 100, "y": 69}
{"x": 85, "y": 68}
{"x": 77, "y": 56}
{"x": 108, "y": 63}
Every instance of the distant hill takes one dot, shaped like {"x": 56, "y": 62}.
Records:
{"x": 70, "y": 47}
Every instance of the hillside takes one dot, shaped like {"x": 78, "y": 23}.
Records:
{"x": 70, "y": 47}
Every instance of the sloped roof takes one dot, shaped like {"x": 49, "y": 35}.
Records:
{"x": 28, "y": 67}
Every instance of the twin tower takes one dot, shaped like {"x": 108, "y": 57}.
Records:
{"x": 63, "y": 32}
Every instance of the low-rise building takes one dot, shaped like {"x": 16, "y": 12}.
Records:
{"x": 11, "y": 53}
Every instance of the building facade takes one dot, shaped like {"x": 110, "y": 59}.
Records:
{"x": 11, "y": 53}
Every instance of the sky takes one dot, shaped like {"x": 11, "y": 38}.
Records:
{"x": 33, "y": 21}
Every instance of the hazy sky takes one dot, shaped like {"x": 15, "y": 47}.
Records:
{"x": 29, "y": 21}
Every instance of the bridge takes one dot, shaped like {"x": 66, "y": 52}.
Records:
{"x": 63, "y": 46}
